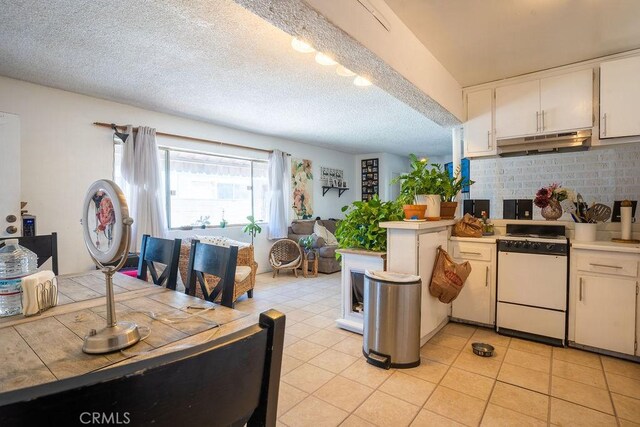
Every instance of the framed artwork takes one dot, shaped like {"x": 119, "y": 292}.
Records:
{"x": 328, "y": 175}
{"x": 369, "y": 173}
{"x": 302, "y": 188}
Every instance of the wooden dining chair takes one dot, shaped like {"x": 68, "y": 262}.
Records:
{"x": 45, "y": 246}
{"x": 231, "y": 381}
{"x": 163, "y": 251}
{"x": 218, "y": 261}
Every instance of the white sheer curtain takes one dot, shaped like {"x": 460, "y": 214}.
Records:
{"x": 148, "y": 193}
{"x": 127, "y": 170}
{"x": 278, "y": 194}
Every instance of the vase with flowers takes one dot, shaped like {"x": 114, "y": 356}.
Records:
{"x": 549, "y": 198}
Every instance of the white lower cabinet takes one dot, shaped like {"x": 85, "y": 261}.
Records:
{"x": 604, "y": 301}
{"x": 606, "y": 313}
{"x": 476, "y": 301}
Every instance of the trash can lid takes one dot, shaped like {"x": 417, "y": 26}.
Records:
{"x": 390, "y": 276}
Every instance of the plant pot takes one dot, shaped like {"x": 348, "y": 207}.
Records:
{"x": 585, "y": 232}
{"x": 448, "y": 210}
{"x": 414, "y": 211}
{"x": 433, "y": 207}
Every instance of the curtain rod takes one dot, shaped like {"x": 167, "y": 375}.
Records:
{"x": 189, "y": 138}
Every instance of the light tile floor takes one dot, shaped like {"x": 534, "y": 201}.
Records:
{"x": 326, "y": 381}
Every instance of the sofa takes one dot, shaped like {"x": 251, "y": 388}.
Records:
{"x": 246, "y": 266}
{"x": 327, "y": 262}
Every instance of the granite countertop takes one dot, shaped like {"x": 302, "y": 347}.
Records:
{"x": 607, "y": 245}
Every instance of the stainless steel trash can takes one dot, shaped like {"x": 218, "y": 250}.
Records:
{"x": 392, "y": 304}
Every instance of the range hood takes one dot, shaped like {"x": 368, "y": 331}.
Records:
{"x": 543, "y": 144}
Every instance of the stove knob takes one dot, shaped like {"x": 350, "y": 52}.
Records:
{"x": 550, "y": 246}
{"x": 518, "y": 244}
{"x": 535, "y": 245}
{"x": 526, "y": 245}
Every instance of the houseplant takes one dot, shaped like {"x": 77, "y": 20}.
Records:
{"x": 360, "y": 228}
{"x": 421, "y": 186}
{"x": 451, "y": 186}
{"x": 203, "y": 221}
{"x": 252, "y": 228}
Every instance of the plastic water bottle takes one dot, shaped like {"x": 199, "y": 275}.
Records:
{"x": 15, "y": 263}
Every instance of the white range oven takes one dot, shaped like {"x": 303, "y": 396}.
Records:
{"x": 532, "y": 286}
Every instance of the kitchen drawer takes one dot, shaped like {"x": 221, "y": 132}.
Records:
{"x": 478, "y": 251}
{"x": 608, "y": 265}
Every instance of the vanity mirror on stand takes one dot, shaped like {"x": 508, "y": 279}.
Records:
{"x": 107, "y": 232}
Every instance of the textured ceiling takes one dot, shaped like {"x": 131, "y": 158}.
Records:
{"x": 212, "y": 61}
{"x": 479, "y": 41}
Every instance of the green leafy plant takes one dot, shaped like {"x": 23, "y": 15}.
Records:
{"x": 361, "y": 226}
{"x": 424, "y": 178}
{"x": 203, "y": 221}
{"x": 252, "y": 228}
{"x": 452, "y": 185}
{"x": 306, "y": 243}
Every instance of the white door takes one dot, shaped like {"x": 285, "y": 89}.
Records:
{"x": 566, "y": 101}
{"x": 619, "y": 94}
{"x": 478, "y": 134}
{"x": 10, "y": 222}
{"x": 474, "y": 301}
{"x": 518, "y": 109}
{"x": 606, "y": 313}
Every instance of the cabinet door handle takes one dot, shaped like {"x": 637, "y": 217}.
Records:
{"x": 542, "y": 120}
{"x": 486, "y": 278}
{"x": 604, "y": 265}
{"x": 470, "y": 253}
{"x": 580, "y": 296}
{"x": 537, "y": 121}
{"x": 604, "y": 124}
{"x": 489, "y": 139}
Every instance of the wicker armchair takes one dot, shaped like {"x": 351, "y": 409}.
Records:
{"x": 245, "y": 259}
{"x": 285, "y": 254}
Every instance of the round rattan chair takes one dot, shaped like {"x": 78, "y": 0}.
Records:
{"x": 285, "y": 254}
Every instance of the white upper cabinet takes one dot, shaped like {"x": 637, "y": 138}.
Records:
{"x": 619, "y": 92}
{"x": 566, "y": 102}
{"x": 552, "y": 104}
{"x": 518, "y": 109}
{"x": 478, "y": 133}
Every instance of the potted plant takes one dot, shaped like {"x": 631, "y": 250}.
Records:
{"x": 252, "y": 228}
{"x": 421, "y": 186}
{"x": 203, "y": 221}
{"x": 307, "y": 245}
{"x": 360, "y": 228}
{"x": 451, "y": 186}
{"x": 223, "y": 222}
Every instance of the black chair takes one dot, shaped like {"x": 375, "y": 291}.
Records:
{"x": 227, "y": 382}
{"x": 216, "y": 260}
{"x": 45, "y": 246}
{"x": 164, "y": 251}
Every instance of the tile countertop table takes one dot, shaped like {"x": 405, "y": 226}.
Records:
{"x": 48, "y": 347}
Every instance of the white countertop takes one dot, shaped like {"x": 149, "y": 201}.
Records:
{"x": 607, "y": 245}
{"x": 417, "y": 225}
{"x": 483, "y": 239}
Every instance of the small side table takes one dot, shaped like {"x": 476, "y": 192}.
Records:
{"x": 314, "y": 265}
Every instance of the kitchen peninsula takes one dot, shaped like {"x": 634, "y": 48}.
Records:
{"x": 411, "y": 249}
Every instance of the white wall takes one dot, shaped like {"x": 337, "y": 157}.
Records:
{"x": 63, "y": 153}
{"x": 390, "y": 165}
{"x": 601, "y": 175}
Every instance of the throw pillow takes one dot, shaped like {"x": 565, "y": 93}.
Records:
{"x": 331, "y": 239}
{"x": 320, "y": 230}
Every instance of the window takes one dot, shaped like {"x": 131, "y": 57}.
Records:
{"x": 204, "y": 187}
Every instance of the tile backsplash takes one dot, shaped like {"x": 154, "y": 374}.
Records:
{"x": 600, "y": 175}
